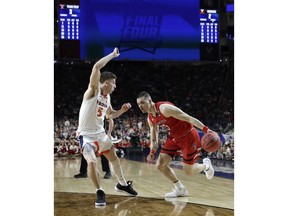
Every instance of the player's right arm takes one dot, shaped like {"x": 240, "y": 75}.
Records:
{"x": 93, "y": 85}
{"x": 154, "y": 131}
{"x": 169, "y": 110}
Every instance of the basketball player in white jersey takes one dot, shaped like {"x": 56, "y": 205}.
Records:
{"x": 95, "y": 106}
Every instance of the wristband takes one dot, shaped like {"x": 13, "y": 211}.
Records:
{"x": 205, "y": 129}
{"x": 152, "y": 152}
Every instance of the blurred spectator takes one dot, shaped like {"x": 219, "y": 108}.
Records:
{"x": 73, "y": 148}
{"x": 228, "y": 154}
{"x": 63, "y": 149}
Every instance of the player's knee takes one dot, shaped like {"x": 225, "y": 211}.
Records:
{"x": 91, "y": 163}
{"x": 160, "y": 166}
{"x": 89, "y": 154}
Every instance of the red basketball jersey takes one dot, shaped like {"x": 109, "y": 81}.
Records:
{"x": 177, "y": 127}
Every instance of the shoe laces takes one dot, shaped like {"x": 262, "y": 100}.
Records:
{"x": 175, "y": 189}
{"x": 100, "y": 194}
{"x": 129, "y": 184}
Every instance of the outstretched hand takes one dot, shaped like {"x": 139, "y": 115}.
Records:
{"x": 116, "y": 52}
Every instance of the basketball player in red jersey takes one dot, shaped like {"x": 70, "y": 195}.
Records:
{"x": 95, "y": 106}
{"x": 182, "y": 136}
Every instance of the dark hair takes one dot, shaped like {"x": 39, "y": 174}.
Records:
{"x": 144, "y": 94}
{"x": 106, "y": 75}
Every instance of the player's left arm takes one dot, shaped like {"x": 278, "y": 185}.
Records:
{"x": 111, "y": 113}
{"x": 110, "y": 127}
{"x": 154, "y": 133}
{"x": 169, "y": 110}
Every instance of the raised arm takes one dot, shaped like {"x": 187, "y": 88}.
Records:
{"x": 169, "y": 110}
{"x": 93, "y": 86}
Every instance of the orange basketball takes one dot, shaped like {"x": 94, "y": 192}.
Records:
{"x": 211, "y": 142}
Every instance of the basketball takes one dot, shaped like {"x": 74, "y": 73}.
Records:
{"x": 210, "y": 142}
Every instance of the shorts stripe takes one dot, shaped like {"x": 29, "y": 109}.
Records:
{"x": 97, "y": 145}
{"x": 192, "y": 160}
{"x": 171, "y": 150}
{"x": 198, "y": 150}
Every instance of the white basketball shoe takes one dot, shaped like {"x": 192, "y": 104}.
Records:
{"x": 210, "y": 171}
{"x": 177, "y": 193}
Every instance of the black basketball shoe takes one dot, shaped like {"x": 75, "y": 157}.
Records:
{"x": 100, "y": 198}
{"x": 81, "y": 175}
{"x": 126, "y": 189}
{"x": 108, "y": 175}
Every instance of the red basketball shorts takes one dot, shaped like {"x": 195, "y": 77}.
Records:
{"x": 189, "y": 144}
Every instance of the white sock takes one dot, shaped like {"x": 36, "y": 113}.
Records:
{"x": 118, "y": 172}
{"x": 179, "y": 184}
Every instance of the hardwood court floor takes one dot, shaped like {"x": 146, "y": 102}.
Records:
{"x": 82, "y": 204}
{"x": 77, "y": 196}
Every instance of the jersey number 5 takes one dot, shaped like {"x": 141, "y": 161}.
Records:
{"x": 99, "y": 112}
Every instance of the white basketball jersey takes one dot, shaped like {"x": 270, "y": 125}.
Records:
{"x": 92, "y": 113}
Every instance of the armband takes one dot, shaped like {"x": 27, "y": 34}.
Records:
{"x": 205, "y": 129}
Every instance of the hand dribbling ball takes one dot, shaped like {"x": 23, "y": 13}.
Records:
{"x": 211, "y": 142}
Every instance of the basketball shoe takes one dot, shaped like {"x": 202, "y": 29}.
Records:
{"x": 126, "y": 189}
{"x": 100, "y": 198}
{"x": 177, "y": 193}
{"x": 81, "y": 175}
{"x": 210, "y": 170}
{"x": 108, "y": 175}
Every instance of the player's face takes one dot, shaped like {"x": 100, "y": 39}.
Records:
{"x": 144, "y": 105}
{"x": 110, "y": 85}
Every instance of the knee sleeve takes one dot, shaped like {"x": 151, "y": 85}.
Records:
{"x": 89, "y": 153}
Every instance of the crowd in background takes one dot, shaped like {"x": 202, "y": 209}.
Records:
{"x": 205, "y": 91}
